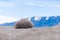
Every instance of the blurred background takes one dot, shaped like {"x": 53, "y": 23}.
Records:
{"x": 41, "y": 12}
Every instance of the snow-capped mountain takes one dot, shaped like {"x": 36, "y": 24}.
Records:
{"x": 40, "y": 21}
{"x": 46, "y": 21}
{"x": 36, "y": 18}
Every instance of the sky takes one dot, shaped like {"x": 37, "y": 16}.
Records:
{"x": 18, "y": 9}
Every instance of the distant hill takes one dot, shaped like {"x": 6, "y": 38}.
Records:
{"x": 8, "y": 24}
{"x": 40, "y": 21}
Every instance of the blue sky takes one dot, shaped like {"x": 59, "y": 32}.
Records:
{"x": 28, "y": 8}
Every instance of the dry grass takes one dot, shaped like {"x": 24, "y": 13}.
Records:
{"x": 7, "y": 33}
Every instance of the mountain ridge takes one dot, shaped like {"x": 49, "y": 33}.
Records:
{"x": 40, "y": 21}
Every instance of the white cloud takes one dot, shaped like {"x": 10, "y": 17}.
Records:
{"x": 6, "y": 4}
{"x": 29, "y": 3}
{"x": 4, "y": 19}
{"x": 0, "y": 10}
{"x": 42, "y": 3}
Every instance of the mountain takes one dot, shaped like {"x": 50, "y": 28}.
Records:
{"x": 8, "y": 24}
{"x": 45, "y": 21}
{"x": 40, "y": 21}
